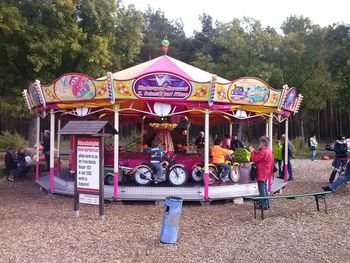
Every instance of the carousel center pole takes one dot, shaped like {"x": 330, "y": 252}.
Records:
{"x": 37, "y": 149}
{"x": 116, "y": 152}
{"x": 271, "y": 143}
{"x": 206, "y": 155}
{"x": 286, "y": 146}
{"x": 52, "y": 149}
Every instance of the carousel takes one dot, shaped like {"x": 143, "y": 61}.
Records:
{"x": 162, "y": 97}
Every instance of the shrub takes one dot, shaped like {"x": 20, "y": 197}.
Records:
{"x": 13, "y": 139}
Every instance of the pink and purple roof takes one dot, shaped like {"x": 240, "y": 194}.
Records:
{"x": 169, "y": 65}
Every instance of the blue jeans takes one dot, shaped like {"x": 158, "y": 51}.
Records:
{"x": 290, "y": 170}
{"x": 262, "y": 187}
{"x": 340, "y": 180}
{"x": 313, "y": 154}
{"x": 225, "y": 168}
{"x": 159, "y": 170}
{"x": 337, "y": 163}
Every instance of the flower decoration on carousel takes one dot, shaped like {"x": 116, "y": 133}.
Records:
{"x": 123, "y": 90}
{"x": 163, "y": 125}
{"x": 220, "y": 91}
{"x": 274, "y": 98}
{"x": 200, "y": 91}
{"x": 102, "y": 90}
{"x": 49, "y": 93}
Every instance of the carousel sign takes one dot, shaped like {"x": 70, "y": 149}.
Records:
{"x": 162, "y": 86}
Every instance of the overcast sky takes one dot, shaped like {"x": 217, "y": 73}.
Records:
{"x": 269, "y": 12}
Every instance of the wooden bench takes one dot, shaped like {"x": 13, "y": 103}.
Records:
{"x": 258, "y": 200}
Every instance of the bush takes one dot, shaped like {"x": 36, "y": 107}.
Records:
{"x": 12, "y": 139}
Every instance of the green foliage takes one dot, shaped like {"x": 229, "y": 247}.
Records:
{"x": 13, "y": 139}
{"x": 44, "y": 39}
{"x": 131, "y": 140}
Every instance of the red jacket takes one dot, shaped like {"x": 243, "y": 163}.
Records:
{"x": 264, "y": 163}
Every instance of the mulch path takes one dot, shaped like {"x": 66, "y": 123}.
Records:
{"x": 38, "y": 227}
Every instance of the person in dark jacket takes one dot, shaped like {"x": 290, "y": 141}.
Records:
{"x": 236, "y": 143}
{"x": 22, "y": 166}
{"x": 11, "y": 163}
{"x": 46, "y": 149}
{"x": 290, "y": 156}
{"x": 341, "y": 157}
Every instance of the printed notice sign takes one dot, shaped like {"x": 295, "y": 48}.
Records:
{"x": 88, "y": 164}
{"x": 89, "y": 199}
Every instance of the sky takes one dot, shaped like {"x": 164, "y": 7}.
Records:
{"x": 269, "y": 12}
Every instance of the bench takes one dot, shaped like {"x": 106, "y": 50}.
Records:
{"x": 258, "y": 204}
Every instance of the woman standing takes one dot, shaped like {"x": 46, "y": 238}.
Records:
{"x": 263, "y": 159}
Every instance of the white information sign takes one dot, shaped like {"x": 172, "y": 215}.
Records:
{"x": 89, "y": 199}
{"x": 88, "y": 164}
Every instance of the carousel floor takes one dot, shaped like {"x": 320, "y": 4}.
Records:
{"x": 192, "y": 192}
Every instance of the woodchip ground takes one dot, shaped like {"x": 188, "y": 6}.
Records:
{"x": 38, "y": 227}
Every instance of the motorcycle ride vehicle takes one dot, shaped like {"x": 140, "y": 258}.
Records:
{"x": 175, "y": 173}
{"x": 215, "y": 172}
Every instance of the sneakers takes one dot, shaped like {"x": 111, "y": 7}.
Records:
{"x": 224, "y": 179}
{"x": 326, "y": 189}
{"x": 10, "y": 178}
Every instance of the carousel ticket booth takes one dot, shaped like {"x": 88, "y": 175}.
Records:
{"x": 162, "y": 97}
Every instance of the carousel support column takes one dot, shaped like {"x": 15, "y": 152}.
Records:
{"x": 52, "y": 149}
{"x": 206, "y": 155}
{"x": 142, "y": 132}
{"x": 116, "y": 152}
{"x": 267, "y": 128}
{"x": 58, "y": 152}
{"x": 271, "y": 143}
{"x": 231, "y": 129}
{"x": 285, "y": 163}
{"x": 37, "y": 149}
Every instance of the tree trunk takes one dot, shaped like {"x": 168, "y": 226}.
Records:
{"x": 318, "y": 125}
{"x": 340, "y": 121}
{"x": 32, "y": 132}
{"x": 331, "y": 120}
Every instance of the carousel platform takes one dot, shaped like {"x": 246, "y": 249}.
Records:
{"x": 190, "y": 192}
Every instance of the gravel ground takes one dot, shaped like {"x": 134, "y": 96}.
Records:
{"x": 37, "y": 227}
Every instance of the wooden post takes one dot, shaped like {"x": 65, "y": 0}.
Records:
{"x": 76, "y": 194}
{"x": 102, "y": 167}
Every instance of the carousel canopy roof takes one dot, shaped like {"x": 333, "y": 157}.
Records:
{"x": 170, "y": 65}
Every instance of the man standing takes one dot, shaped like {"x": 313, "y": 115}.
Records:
{"x": 264, "y": 167}
{"x": 313, "y": 145}
{"x": 290, "y": 156}
{"x": 341, "y": 157}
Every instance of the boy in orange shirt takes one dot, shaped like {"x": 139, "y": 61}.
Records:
{"x": 219, "y": 154}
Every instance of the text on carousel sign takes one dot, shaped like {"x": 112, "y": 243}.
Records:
{"x": 162, "y": 86}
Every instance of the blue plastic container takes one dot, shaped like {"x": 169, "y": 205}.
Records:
{"x": 171, "y": 220}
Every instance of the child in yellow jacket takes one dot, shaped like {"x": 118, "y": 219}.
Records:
{"x": 218, "y": 153}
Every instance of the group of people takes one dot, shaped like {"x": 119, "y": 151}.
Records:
{"x": 16, "y": 164}
{"x": 264, "y": 159}
{"x": 278, "y": 150}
